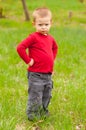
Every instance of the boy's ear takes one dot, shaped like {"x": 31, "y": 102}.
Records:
{"x": 33, "y": 23}
{"x": 51, "y": 21}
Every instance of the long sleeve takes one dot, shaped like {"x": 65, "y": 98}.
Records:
{"x": 22, "y": 47}
{"x": 55, "y": 49}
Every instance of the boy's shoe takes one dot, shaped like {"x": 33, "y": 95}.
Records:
{"x": 33, "y": 117}
{"x": 47, "y": 113}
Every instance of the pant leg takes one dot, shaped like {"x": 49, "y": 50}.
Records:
{"x": 47, "y": 95}
{"x": 35, "y": 96}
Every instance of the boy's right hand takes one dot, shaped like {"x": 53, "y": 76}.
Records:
{"x": 31, "y": 62}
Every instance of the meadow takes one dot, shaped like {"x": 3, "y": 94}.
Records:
{"x": 68, "y": 103}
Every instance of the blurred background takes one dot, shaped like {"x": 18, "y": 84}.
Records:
{"x": 68, "y": 105}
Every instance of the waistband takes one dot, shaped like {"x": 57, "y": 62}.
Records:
{"x": 42, "y": 75}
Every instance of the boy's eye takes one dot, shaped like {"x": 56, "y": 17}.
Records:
{"x": 46, "y": 24}
{"x": 40, "y": 24}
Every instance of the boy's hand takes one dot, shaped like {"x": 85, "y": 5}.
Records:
{"x": 31, "y": 62}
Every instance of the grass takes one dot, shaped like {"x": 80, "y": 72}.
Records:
{"x": 68, "y": 105}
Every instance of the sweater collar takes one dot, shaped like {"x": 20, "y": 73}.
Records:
{"x": 42, "y": 34}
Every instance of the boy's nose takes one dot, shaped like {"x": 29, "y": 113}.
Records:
{"x": 43, "y": 26}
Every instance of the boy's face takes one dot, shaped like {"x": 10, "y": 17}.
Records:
{"x": 43, "y": 25}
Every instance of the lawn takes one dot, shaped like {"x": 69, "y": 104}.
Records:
{"x": 68, "y": 103}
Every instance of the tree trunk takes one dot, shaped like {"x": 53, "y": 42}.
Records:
{"x": 81, "y": 1}
{"x": 1, "y": 13}
{"x": 25, "y": 10}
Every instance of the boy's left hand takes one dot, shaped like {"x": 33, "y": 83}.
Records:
{"x": 31, "y": 62}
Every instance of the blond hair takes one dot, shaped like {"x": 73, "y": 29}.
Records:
{"x": 41, "y": 12}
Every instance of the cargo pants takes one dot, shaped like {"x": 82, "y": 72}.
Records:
{"x": 39, "y": 94}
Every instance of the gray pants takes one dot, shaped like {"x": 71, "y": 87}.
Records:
{"x": 40, "y": 86}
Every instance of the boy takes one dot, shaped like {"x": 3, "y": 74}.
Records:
{"x": 42, "y": 50}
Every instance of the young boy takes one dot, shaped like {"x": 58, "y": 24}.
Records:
{"x": 42, "y": 50}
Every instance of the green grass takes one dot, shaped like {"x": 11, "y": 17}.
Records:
{"x": 68, "y": 105}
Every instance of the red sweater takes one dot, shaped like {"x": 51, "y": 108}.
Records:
{"x": 42, "y": 48}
